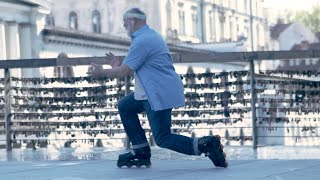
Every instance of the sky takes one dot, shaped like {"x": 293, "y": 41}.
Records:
{"x": 291, "y": 4}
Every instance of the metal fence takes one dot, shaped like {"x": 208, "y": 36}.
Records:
{"x": 40, "y": 111}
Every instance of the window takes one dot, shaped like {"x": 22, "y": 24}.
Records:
{"x": 73, "y": 20}
{"x": 194, "y": 24}
{"x": 246, "y": 28}
{"x": 308, "y": 62}
{"x": 258, "y": 35}
{"x": 212, "y": 26}
{"x": 221, "y": 31}
{"x": 257, "y": 8}
{"x": 50, "y": 20}
{"x": 245, "y": 6}
{"x": 238, "y": 26}
{"x": 96, "y": 22}
{"x": 222, "y": 19}
{"x": 291, "y": 62}
{"x": 169, "y": 11}
{"x": 181, "y": 22}
{"x": 231, "y": 28}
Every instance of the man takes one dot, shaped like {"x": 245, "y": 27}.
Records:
{"x": 158, "y": 89}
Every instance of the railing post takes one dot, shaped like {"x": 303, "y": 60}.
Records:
{"x": 253, "y": 104}
{"x": 7, "y": 101}
{"x": 126, "y": 92}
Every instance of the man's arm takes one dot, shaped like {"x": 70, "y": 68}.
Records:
{"x": 116, "y": 72}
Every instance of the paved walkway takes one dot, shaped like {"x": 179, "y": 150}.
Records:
{"x": 278, "y": 163}
{"x": 162, "y": 169}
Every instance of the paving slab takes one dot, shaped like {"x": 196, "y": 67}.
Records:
{"x": 162, "y": 169}
{"x": 275, "y": 163}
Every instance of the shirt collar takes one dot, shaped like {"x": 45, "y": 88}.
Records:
{"x": 139, "y": 31}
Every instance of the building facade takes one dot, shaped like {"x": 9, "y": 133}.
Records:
{"x": 21, "y": 23}
{"x": 195, "y": 21}
{"x": 91, "y": 28}
{"x": 208, "y": 21}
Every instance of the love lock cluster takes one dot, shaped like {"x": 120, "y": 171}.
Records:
{"x": 213, "y": 101}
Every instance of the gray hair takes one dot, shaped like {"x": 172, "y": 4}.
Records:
{"x": 135, "y": 13}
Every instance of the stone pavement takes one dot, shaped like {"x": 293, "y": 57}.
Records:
{"x": 162, "y": 169}
{"x": 278, "y": 163}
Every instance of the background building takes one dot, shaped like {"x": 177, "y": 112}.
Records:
{"x": 21, "y": 23}
{"x": 91, "y": 28}
{"x": 202, "y": 21}
{"x": 285, "y": 36}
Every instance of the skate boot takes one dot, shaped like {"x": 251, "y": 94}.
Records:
{"x": 211, "y": 147}
{"x": 136, "y": 157}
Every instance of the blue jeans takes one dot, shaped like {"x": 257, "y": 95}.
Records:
{"x": 160, "y": 123}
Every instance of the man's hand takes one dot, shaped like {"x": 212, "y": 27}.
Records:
{"x": 113, "y": 60}
{"x": 97, "y": 71}
{"x": 118, "y": 69}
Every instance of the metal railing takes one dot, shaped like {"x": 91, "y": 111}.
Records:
{"x": 32, "y": 108}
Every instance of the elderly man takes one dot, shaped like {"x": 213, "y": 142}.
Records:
{"x": 158, "y": 89}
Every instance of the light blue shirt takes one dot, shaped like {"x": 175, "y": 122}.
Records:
{"x": 149, "y": 57}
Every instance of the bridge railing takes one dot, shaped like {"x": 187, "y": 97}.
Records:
{"x": 282, "y": 107}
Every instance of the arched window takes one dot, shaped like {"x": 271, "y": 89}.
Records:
{"x": 212, "y": 25}
{"x": 50, "y": 20}
{"x": 73, "y": 20}
{"x": 194, "y": 24}
{"x": 231, "y": 27}
{"x": 222, "y": 19}
{"x": 96, "y": 22}
{"x": 181, "y": 22}
{"x": 245, "y": 6}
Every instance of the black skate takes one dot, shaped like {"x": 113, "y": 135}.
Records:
{"x": 136, "y": 157}
{"x": 211, "y": 147}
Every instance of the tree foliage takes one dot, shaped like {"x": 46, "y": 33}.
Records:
{"x": 309, "y": 18}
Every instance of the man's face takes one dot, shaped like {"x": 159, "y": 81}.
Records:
{"x": 128, "y": 25}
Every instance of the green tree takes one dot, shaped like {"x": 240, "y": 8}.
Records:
{"x": 309, "y": 18}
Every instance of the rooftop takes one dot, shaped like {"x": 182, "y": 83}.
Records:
{"x": 276, "y": 30}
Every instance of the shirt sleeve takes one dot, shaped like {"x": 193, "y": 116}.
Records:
{"x": 137, "y": 55}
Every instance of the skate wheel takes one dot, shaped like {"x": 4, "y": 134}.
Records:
{"x": 148, "y": 165}
{"x": 226, "y": 164}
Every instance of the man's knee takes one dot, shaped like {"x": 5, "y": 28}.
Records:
{"x": 125, "y": 103}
